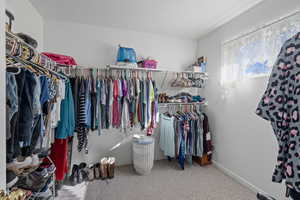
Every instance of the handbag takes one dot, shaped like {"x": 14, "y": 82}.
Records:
{"x": 126, "y": 55}
{"x": 151, "y": 64}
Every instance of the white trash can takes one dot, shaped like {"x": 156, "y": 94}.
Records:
{"x": 143, "y": 154}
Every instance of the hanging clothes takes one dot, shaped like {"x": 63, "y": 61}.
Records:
{"x": 82, "y": 126}
{"x": 183, "y": 136}
{"x": 122, "y": 102}
{"x": 59, "y": 155}
{"x": 33, "y": 100}
{"x": 280, "y": 105}
{"x": 66, "y": 125}
{"x": 167, "y": 136}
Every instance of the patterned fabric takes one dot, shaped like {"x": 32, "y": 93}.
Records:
{"x": 81, "y": 129}
{"x": 81, "y": 118}
{"x": 280, "y": 105}
{"x": 52, "y": 88}
{"x": 82, "y": 136}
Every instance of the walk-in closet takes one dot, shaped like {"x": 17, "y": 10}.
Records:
{"x": 137, "y": 99}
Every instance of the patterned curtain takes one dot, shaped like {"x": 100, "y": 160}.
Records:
{"x": 254, "y": 55}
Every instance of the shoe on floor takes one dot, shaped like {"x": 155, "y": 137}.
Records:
{"x": 80, "y": 173}
{"x": 90, "y": 173}
{"x": 97, "y": 171}
{"x": 111, "y": 167}
{"x": 11, "y": 179}
{"x": 74, "y": 176}
{"x": 103, "y": 168}
{"x": 84, "y": 170}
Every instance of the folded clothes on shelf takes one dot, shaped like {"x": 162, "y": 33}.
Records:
{"x": 182, "y": 97}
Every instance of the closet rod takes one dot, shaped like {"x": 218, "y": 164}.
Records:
{"x": 116, "y": 67}
{"x": 263, "y": 27}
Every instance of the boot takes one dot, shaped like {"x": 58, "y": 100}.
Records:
{"x": 111, "y": 167}
{"x": 103, "y": 168}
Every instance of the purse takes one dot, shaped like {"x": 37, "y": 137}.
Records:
{"x": 150, "y": 64}
{"x": 126, "y": 55}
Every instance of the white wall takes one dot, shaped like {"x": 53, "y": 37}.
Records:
{"x": 244, "y": 143}
{"x": 97, "y": 46}
{"x": 27, "y": 20}
{"x": 2, "y": 98}
{"x": 92, "y": 45}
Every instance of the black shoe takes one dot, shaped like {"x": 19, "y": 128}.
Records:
{"x": 91, "y": 173}
{"x": 74, "y": 176}
{"x": 83, "y": 171}
{"x": 79, "y": 176}
{"x": 97, "y": 171}
{"x": 11, "y": 179}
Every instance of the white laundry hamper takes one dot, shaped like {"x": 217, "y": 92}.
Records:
{"x": 143, "y": 154}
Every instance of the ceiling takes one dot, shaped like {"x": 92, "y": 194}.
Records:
{"x": 181, "y": 18}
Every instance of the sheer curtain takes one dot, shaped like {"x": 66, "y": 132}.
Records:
{"x": 254, "y": 55}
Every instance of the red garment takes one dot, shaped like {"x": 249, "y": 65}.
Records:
{"x": 59, "y": 155}
{"x": 116, "y": 108}
{"x": 61, "y": 59}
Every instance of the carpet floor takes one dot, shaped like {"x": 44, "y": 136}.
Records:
{"x": 166, "y": 182}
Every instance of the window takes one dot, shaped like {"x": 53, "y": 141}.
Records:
{"x": 254, "y": 55}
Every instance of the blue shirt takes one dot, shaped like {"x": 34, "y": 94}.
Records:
{"x": 66, "y": 125}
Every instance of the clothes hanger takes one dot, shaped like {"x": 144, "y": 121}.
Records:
{"x": 173, "y": 84}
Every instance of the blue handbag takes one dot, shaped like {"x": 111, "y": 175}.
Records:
{"x": 126, "y": 55}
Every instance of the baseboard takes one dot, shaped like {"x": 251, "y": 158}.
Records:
{"x": 238, "y": 178}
